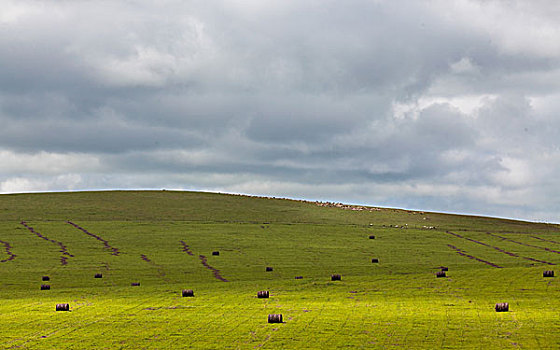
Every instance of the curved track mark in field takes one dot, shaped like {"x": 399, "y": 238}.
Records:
{"x": 186, "y": 248}
{"x": 500, "y": 249}
{"x": 8, "y": 249}
{"x": 545, "y": 240}
{"x": 216, "y": 272}
{"x": 203, "y": 261}
{"x": 159, "y": 268}
{"x": 63, "y": 249}
{"x": 115, "y": 251}
{"x": 464, "y": 253}
{"x": 524, "y": 244}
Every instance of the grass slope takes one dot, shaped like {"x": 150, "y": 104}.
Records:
{"x": 157, "y": 238}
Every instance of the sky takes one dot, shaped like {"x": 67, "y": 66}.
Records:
{"x": 433, "y": 105}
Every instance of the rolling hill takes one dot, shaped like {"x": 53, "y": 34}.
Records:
{"x": 220, "y": 246}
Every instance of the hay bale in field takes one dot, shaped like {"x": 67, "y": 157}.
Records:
{"x": 336, "y": 277}
{"x": 187, "y": 293}
{"x": 440, "y": 274}
{"x": 371, "y": 237}
{"x": 45, "y": 287}
{"x": 275, "y": 318}
{"x": 46, "y": 278}
{"x": 215, "y": 253}
{"x": 374, "y": 260}
{"x": 98, "y": 275}
{"x": 135, "y": 284}
{"x": 299, "y": 277}
{"x": 548, "y": 274}
{"x": 62, "y": 307}
{"x": 268, "y": 269}
{"x": 443, "y": 268}
{"x": 262, "y": 294}
{"x": 502, "y": 307}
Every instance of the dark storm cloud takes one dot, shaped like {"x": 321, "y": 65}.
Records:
{"x": 431, "y": 105}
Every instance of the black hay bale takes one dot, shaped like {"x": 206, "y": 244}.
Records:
{"x": 371, "y": 237}
{"x": 262, "y": 294}
{"x": 98, "y": 275}
{"x": 215, "y": 253}
{"x": 268, "y": 269}
{"x": 374, "y": 260}
{"x": 443, "y": 268}
{"x": 187, "y": 293}
{"x": 440, "y": 274}
{"x": 548, "y": 274}
{"x": 299, "y": 277}
{"x": 336, "y": 277}
{"x": 275, "y": 318}
{"x": 502, "y": 307}
{"x": 135, "y": 284}
{"x": 46, "y": 278}
{"x": 45, "y": 287}
{"x": 62, "y": 307}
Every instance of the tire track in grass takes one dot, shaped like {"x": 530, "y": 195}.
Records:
{"x": 240, "y": 321}
{"x": 215, "y": 271}
{"x": 203, "y": 331}
{"x": 204, "y": 262}
{"x": 464, "y": 253}
{"x": 523, "y": 244}
{"x": 544, "y": 240}
{"x": 115, "y": 251}
{"x": 186, "y": 248}
{"x": 63, "y": 249}
{"x": 500, "y": 249}
{"x": 159, "y": 268}
{"x": 8, "y": 250}
{"x": 341, "y": 326}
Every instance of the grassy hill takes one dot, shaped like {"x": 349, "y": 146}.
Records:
{"x": 164, "y": 240}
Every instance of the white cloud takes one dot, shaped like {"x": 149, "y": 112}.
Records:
{"x": 46, "y": 163}
{"x": 517, "y": 27}
{"x": 516, "y": 173}
{"x": 40, "y": 184}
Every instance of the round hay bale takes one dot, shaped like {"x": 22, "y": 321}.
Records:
{"x": 45, "y": 287}
{"x": 548, "y": 274}
{"x": 502, "y": 307}
{"x": 440, "y": 274}
{"x": 375, "y": 261}
{"x": 275, "y": 318}
{"x": 98, "y": 275}
{"x": 268, "y": 269}
{"x": 135, "y": 284}
{"x": 62, "y": 307}
{"x": 336, "y": 277}
{"x": 46, "y": 278}
{"x": 262, "y": 294}
{"x": 371, "y": 237}
{"x": 187, "y": 293}
{"x": 215, "y": 253}
{"x": 299, "y": 277}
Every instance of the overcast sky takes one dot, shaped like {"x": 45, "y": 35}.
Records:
{"x": 433, "y": 105}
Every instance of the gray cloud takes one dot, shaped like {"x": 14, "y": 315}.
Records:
{"x": 429, "y": 105}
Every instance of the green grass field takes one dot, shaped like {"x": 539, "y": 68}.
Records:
{"x": 396, "y": 303}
